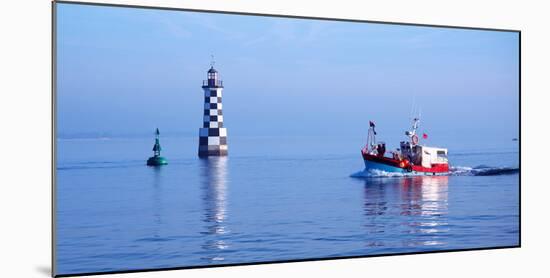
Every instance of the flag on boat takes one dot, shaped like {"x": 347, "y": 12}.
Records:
{"x": 371, "y": 124}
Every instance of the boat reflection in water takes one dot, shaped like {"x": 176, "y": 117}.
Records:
{"x": 214, "y": 196}
{"x": 419, "y": 203}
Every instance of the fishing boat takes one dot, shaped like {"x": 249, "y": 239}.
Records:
{"x": 411, "y": 158}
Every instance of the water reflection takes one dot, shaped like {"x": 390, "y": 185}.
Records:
{"x": 420, "y": 203}
{"x": 157, "y": 200}
{"x": 214, "y": 196}
{"x": 375, "y": 207}
{"x": 424, "y": 195}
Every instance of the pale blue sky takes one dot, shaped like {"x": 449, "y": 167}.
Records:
{"x": 125, "y": 71}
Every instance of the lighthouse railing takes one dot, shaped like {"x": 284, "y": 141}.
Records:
{"x": 213, "y": 83}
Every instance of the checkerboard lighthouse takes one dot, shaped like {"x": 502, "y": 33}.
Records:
{"x": 212, "y": 135}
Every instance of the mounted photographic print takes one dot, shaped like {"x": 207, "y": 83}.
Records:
{"x": 187, "y": 138}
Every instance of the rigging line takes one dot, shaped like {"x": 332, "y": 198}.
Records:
{"x": 411, "y": 115}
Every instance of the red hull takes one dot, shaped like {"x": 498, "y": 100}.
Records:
{"x": 385, "y": 160}
{"x": 404, "y": 164}
{"x": 436, "y": 168}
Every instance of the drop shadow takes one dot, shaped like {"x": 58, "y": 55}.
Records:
{"x": 44, "y": 270}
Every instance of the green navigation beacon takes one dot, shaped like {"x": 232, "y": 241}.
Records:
{"x": 156, "y": 159}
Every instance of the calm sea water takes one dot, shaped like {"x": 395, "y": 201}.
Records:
{"x": 272, "y": 198}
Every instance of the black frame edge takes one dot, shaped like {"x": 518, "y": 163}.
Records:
{"x": 54, "y": 133}
{"x": 284, "y": 16}
{"x": 287, "y": 261}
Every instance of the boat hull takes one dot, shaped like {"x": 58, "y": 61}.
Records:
{"x": 377, "y": 166}
{"x": 389, "y": 165}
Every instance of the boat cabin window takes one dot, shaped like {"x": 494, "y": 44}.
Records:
{"x": 442, "y": 156}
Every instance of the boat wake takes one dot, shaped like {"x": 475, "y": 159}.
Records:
{"x": 481, "y": 170}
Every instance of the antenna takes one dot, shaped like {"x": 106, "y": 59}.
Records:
{"x": 212, "y": 62}
{"x": 413, "y": 106}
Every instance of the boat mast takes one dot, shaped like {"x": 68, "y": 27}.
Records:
{"x": 371, "y": 137}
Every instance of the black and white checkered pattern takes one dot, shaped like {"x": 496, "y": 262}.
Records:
{"x": 212, "y": 135}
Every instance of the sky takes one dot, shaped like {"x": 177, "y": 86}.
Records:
{"x": 126, "y": 71}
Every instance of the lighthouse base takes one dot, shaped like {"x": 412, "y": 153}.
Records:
{"x": 212, "y": 150}
{"x": 212, "y": 142}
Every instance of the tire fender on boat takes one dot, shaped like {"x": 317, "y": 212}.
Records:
{"x": 414, "y": 139}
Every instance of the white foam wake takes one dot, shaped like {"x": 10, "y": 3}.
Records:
{"x": 454, "y": 171}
